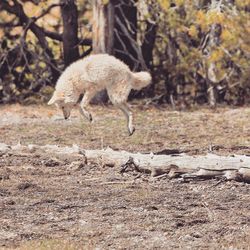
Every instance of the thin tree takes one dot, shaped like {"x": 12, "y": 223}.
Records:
{"x": 70, "y": 29}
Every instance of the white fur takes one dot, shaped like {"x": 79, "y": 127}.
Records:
{"x": 93, "y": 74}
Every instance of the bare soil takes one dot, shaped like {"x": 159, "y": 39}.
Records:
{"x": 49, "y": 203}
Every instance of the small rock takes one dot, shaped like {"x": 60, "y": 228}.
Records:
{"x": 25, "y": 185}
{"x": 187, "y": 237}
{"x": 196, "y": 235}
{"x": 4, "y": 148}
{"x": 10, "y": 202}
{"x": 151, "y": 208}
{"x": 57, "y": 118}
{"x": 53, "y": 162}
{"x": 4, "y": 177}
{"x": 75, "y": 166}
{"x": 32, "y": 148}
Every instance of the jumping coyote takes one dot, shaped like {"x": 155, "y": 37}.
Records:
{"x": 93, "y": 74}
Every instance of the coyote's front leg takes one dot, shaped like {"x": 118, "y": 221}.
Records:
{"x": 84, "y": 103}
{"x": 129, "y": 116}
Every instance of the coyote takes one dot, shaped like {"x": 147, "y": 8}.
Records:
{"x": 92, "y": 74}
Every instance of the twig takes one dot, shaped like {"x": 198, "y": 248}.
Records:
{"x": 116, "y": 182}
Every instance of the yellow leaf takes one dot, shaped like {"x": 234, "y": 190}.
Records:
{"x": 105, "y": 2}
{"x": 165, "y": 4}
{"x": 242, "y": 3}
{"x": 214, "y": 16}
{"x": 226, "y": 35}
{"x": 201, "y": 19}
{"x": 42, "y": 65}
{"x": 216, "y": 56}
{"x": 200, "y": 16}
{"x": 192, "y": 31}
{"x": 19, "y": 69}
{"x": 179, "y": 2}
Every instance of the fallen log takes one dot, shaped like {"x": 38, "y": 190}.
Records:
{"x": 233, "y": 167}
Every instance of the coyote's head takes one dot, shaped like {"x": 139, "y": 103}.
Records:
{"x": 63, "y": 102}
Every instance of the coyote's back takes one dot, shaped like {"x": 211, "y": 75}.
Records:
{"x": 106, "y": 70}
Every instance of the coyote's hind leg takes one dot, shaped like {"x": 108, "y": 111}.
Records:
{"x": 85, "y": 102}
{"x": 129, "y": 116}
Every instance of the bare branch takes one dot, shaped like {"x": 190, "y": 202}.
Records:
{"x": 17, "y": 9}
{"x": 133, "y": 43}
{"x": 130, "y": 26}
{"x": 53, "y": 35}
{"x": 85, "y": 53}
{"x": 86, "y": 42}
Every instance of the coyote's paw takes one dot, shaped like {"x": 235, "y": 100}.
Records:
{"x": 131, "y": 131}
{"x": 90, "y": 118}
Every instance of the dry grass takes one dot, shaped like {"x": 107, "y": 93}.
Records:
{"x": 156, "y": 129}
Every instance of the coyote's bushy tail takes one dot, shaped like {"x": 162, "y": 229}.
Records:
{"x": 141, "y": 80}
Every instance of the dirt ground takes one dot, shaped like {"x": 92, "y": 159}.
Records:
{"x": 48, "y": 205}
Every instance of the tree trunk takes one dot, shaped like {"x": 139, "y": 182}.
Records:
{"x": 213, "y": 41}
{"x": 103, "y": 35}
{"x": 70, "y": 31}
{"x": 103, "y": 27}
{"x": 170, "y": 81}
{"x": 148, "y": 44}
{"x": 147, "y": 51}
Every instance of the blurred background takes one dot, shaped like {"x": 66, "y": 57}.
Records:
{"x": 197, "y": 51}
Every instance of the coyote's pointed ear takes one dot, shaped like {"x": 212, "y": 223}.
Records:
{"x": 56, "y": 97}
{"x": 52, "y": 100}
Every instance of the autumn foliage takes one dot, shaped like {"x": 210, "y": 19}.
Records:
{"x": 203, "y": 46}
{"x": 200, "y": 49}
